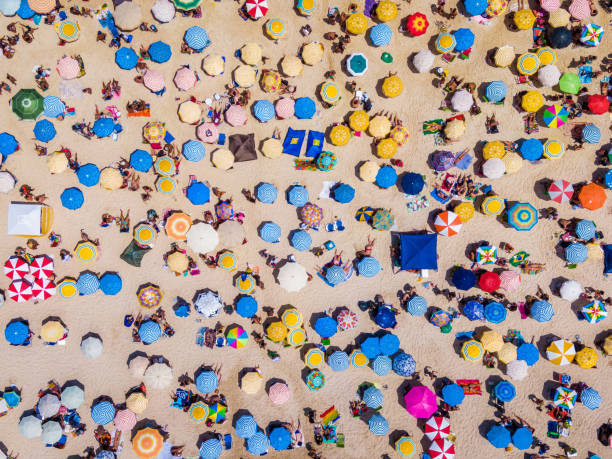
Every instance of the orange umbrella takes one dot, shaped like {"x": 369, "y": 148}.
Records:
{"x": 147, "y": 443}
{"x": 592, "y": 196}
{"x": 177, "y": 226}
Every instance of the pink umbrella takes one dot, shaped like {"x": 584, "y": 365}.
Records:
{"x": 68, "y": 68}
{"x": 550, "y": 5}
{"x": 510, "y": 280}
{"x": 42, "y": 267}
{"x": 347, "y": 319}
{"x": 236, "y": 115}
{"x": 125, "y": 420}
{"x": 285, "y": 108}
{"x": 207, "y": 133}
{"x": 580, "y": 9}
{"x": 154, "y": 80}
{"x": 43, "y": 289}
{"x": 185, "y": 78}
{"x": 16, "y": 268}
{"x": 279, "y": 393}
{"x": 420, "y": 402}
{"x": 20, "y": 290}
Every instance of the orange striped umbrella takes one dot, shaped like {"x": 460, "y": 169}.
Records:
{"x": 177, "y": 226}
{"x": 147, "y": 443}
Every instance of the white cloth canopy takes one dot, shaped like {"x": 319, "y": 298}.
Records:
{"x": 517, "y": 370}
{"x": 462, "y": 101}
{"x": 127, "y": 16}
{"x": 24, "y": 218}
{"x": 208, "y": 303}
{"x": 7, "y": 182}
{"x": 231, "y": 233}
{"x": 48, "y": 405}
{"x": 423, "y": 61}
{"x": 163, "y": 10}
{"x": 292, "y": 277}
{"x": 30, "y": 426}
{"x": 72, "y": 397}
{"x": 158, "y": 376}
{"x": 92, "y": 347}
{"x": 570, "y": 290}
{"x": 493, "y": 168}
{"x": 549, "y": 75}
{"x": 138, "y": 365}
{"x": 202, "y": 238}
{"x": 51, "y": 432}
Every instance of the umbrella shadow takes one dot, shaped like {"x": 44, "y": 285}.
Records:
{"x": 92, "y": 335}
{"x": 410, "y": 63}
{"x": 485, "y": 426}
{"x": 396, "y": 435}
{"x": 54, "y": 319}
{"x": 205, "y": 437}
{"x": 548, "y": 389}
{"x": 238, "y": 414}
{"x": 144, "y": 423}
{"x": 71, "y": 383}
{"x": 402, "y": 390}
{"x": 135, "y": 354}
{"x": 540, "y": 188}
{"x": 543, "y": 343}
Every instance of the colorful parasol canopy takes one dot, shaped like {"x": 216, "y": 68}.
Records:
{"x": 306, "y": 7}
{"x": 292, "y": 318}
{"x": 486, "y": 255}
{"x": 87, "y": 252}
{"x": 547, "y": 55}
{"x": 555, "y": 116}
{"x": 598, "y": 104}
{"x": 314, "y": 358}
{"x": 592, "y": 196}
{"x": 532, "y": 101}
{"x": 357, "y": 23}
{"x": 154, "y": 132}
{"x": 392, "y": 86}
{"x": 330, "y": 92}
{"x": 16, "y": 268}
{"x": 315, "y": 380}
{"x": 472, "y": 350}
{"x": 565, "y": 397}
{"x": 496, "y": 7}
{"x": 382, "y": 220}
{"x": 149, "y": 296}
{"x": 256, "y": 8}
{"x": 276, "y": 331}
{"x": 311, "y": 214}
{"x": 67, "y": 287}
{"x": 67, "y": 30}
{"x": 594, "y": 312}
{"x": 493, "y": 205}
{"x": 528, "y": 64}
{"x": 447, "y": 223}
{"x": 437, "y": 427}
{"x": 42, "y": 267}
{"x": 340, "y": 135}
{"x": 561, "y": 352}
{"x": 275, "y": 28}
{"x": 445, "y": 42}
{"x": 27, "y": 104}
{"x": 522, "y": 216}
{"x": 493, "y": 149}
{"x": 217, "y": 412}
{"x": 561, "y": 191}
{"x": 553, "y": 149}
{"x": 591, "y": 34}
{"x": 237, "y": 337}
{"x": 177, "y": 226}
{"x": 43, "y": 289}
{"x": 147, "y": 443}
{"x": 524, "y": 19}
{"x": 198, "y": 412}
{"x": 465, "y": 210}
{"x": 20, "y": 290}
{"x": 165, "y": 185}
{"x": 417, "y": 24}
{"x": 405, "y": 446}
{"x": 296, "y": 337}
{"x": 359, "y": 120}
{"x": 144, "y": 234}
{"x": 357, "y": 64}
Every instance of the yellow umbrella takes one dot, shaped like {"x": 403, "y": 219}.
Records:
{"x": 275, "y": 28}
{"x": 547, "y": 55}
{"x": 227, "y": 261}
{"x": 513, "y": 162}
{"x": 147, "y": 443}
{"x": 507, "y": 353}
{"x": 357, "y": 23}
{"x": 386, "y": 11}
{"x": 465, "y": 210}
{"x": 380, "y": 126}
{"x": 528, "y": 64}
{"x": 504, "y": 56}
{"x": 198, "y": 412}
{"x": 67, "y": 30}
{"x": 559, "y": 18}
{"x": 400, "y": 134}
{"x": 177, "y": 262}
{"x": 368, "y": 171}
{"x": 67, "y": 288}
{"x": 493, "y": 205}
{"x": 494, "y": 149}
{"x": 154, "y": 132}
{"x": 189, "y": 112}
{"x": 251, "y": 382}
{"x": 272, "y": 148}
{"x": 586, "y": 357}
{"x": 359, "y": 120}
{"x": 296, "y": 337}
{"x": 524, "y": 19}
{"x": 57, "y": 163}
{"x": 110, "y": 178}
{"x": 251, "y": 54}
{"x": 52, "y": 331}
{"x": 392, "y": 86}
{"x": 137, "y": 402}
{"x": 386, "y": 148}
{"x": 292, "y": 318}
{"x": 553, "y": 149}
{"x": 491, "y": 341}
{"x": 340, "y": 135}
{"x": 223, "y": 159}
{"x": 607, "y": 346}
{"x": 86, "y": 252}
{"x": 166, "y": 185}
{"x": 270, "y": 81}
{"x": 330, "y": 92}
{"x": 472, "y": 351}
{"x": 276, "y": 331}
{"x": 314, "y": 358}
{"x": 292, "y": 66}
{"x": 144, "y": 233}
{"x": 454, "y": 129}
{"x": 245, "y": 76}
{"x": 532, "y": 101}
{"x": 213, "y": 64}
{"x": 312, "y": 53}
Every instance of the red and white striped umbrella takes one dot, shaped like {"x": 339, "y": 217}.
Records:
{"x": 580, "y": 9}
{"x": 42, "y": 267}
{"x": 16, "y": 268}
{"x": 447, "y": 223}
{"x": 256, "y": 8}
{"x": 442, "y": 449}
{"x": 510, "y": 280}
{"x": 437, "y": 427}
{"x": 43, "y": 289}
{"x": 561, "y": 191}
{"x": 20, "y": 290}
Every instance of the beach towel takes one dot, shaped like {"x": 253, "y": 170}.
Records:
{"x": 330, "y": 416}
{"x": 463, "y": 160}
{"x": 314, "y": 144}
{"x": 305, "y": 165}
{"x": 243, "y": 147}
{"x": 585, "y": 73}
{"x": 294, "y": 139}
{"x": 432, "y": 126}
{"x": 134, "y": 253}
{"x": 607, "y": 249}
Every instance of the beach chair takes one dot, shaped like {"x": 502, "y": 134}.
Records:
{"x": 227, "y": 441}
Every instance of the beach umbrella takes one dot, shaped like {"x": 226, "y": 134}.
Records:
{"x": 91, "y": 347}
{"x": 300, "y": 240}
{"x": 16, "y": 268}
{"x": 52, "y": 331}
{"x": 208, "y": 303}
{"x": 542, "y": 311}
{"x": 423, "y": 61}
{"x": 315, "y": 380}
{"x": 417, "y": 24}
{"x": 185, "y": 79}
{"x": 560, "y": 37}
{"x": 10, "y": 7}
{"x": 494, "y": 312}
{"x": 565, "y": 398}
{"x": 103, "y": 412}
{"x": 103, "y": 127}
{"x": 87, "y": 283}
{"x": 154, "y": 82}
{"x": 186, "y": 5}
{"x": 202, "y": 238}
{"x": 558, "y": 18}
{"x": 53, "y": 107}
{"x": 382, "y": 365}
{"x": 137, "y": 401}
{"x": 111, "y": 178}
{"x": 314, "y": 358}
{"x": 549, "y": 75}
{"x": 437, "y": 428}
{"x": 275, "y": 28}
{"x": 591, "y": 34}
{"x": 246, "y": 306}
{"x": 154, "y": 132}
{"x": 312, "y": 54}
{"x": 598, "y": 104}
{"x": 87, "y": 252}
{"x": 594, "y": 312}
{"x": 524, "y": 19}
{"x": 547, "y": 56}
{"x": 389, "y": 344}
{"x": 127, "y": 15}
{"x": 356, "y": 23}
{"x": 464, "y": 39}
{"x": 198, "y": 412}
{"x": 266, "y": 193}
{"x": 580, "y": 9}
{"x": 486, "y": 255}
{"x": 67, "y": 287}
{"x": 591, "y": 133}
{"x": 373, "y": 397}
{"x": 72, "y": 397}
{"x": 292, "y": 277}
{"x": 586, "y": 357}
{"x": 163, "y": 11}
{"x": 270, "y": 232}
{"x": 264, "y": 111}
{"x": 258, "y": 444}
{"x": 380, "y": 35}
{"x": 256, "y": 8}
{"x": 149, "y": 331}
{"x": 489, "y": 282}
{"x": 198, "y": 193}
{"x": 68, "y": 68}
{"x": 522, "y": 216}
{"x": 279, "y": 393}
{"x": 344, "y": 193}
{"x": 507, "y": 353}
{"x": 561, "y": 352}
{"x": 296, "y": 337}
{"x": 357, "y": 64}
{"x": 330, "y": 92}
{"x": 27, "y": 104}
{"x": 378, "y": 425}
{"x": 491, "y": 341}
{"x": 585, "y": 229}
{"x": 30, "y": 426}
{"x": 88, "y": 174}
{"x": 499, "y": 436}
{"x": 160, "y": 52}
{"x": 386, "y": 11}
{"x": 528, "y": 64}
{"x": 386, "y": 177}
{"x": 48, "y": 405}
{"x": 8, "y": 144}
{"x": 512, "y": 162}
{"x": 245, "y": 426}
{"x": 213, "y": 64}
{"x": 276, "y": 331}
{"x": 532, "y": 101}
{"x": 592, "y": 196}
{"x": 475, "y": 7}
{"x": 553, "y": 149}
{"x": 149, "y": 296}
{"x": 496, "y": 91}
{"x": 206, "y": 381}
{"x": 43, "y": 289}
{"x": 576, "y": 253}
{"x": 555, "y": 116}
{"x": 473, "y": 310}
{"x": 244, "y": 76}
{"x": 126, "y": 58}
{"x": 417, "y": 305}
{"x": 251, "y": 382}
{"x": 223, "y": 159}
{"x": 590, "y": 398}
{"x": 359, "y": 359}
{"x": 385, "y": 317}
{"x": 44, "y": 130}
{"x": 570, "y": 290}
{"x": 420, "y": 402}
{"x": 217, "y": 412}
{"x": 445, "y": 42}
{"x": 453, "y": 394}
{"x": 251, "y": 53}
{"x": 569, "y": 83}
{"x": 311, "y": 215}
{"x": 291, "y": 66}
{"x": 326, "y": 326}
{"x": 364, "y": 214}
{"x": 529, "y": 353}
{"x": 368, "y": 267}
{"x": 237, "y": 337}
{"x": 403, "y": 364}
{"x": 496, "y": 8}
{"x": 196, "y": 38}
{"x": 144, "y": 234}
{"x": 347, "y": 320}
{"x": 504, "y": 56}
{"x": 442, "y": 448}
{"x": 504, "y": 391}
{"x": 51, "y": 432}
{"x": 7, "y": 181}
{"x": 141, "y": 160}
{"x": 280, "y": 438}
{"x": 447, "y": 223}
{"x": 561, "y": 191}
{"x": 284, "y": 108}
{"x": 392, "y": 86}
{"x": 235, "y": 115}
{"x": 493, "y": 168}
{"x": 371, "y": 347}
{"x": 379, "y": 126}
{"x": 442, "y": 160}
{"x": 550, "y": 5}
{"x": 147, "y": 443}
{"x": 463, "y": 279}
{"x": 338, "y": 361}
{"x": 510, "y": 280}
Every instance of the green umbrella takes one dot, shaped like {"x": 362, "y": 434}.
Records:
{"x": 186, "y": 5}
{"x": 569, "y": 83}
{"x": 27, "y": 104}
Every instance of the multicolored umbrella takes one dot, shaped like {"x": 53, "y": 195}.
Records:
{"x": 447, "y": 223}
{"x": 347, "y": 319}
{"x": 561, "y": 352}
{"x": 149, "y": 296}
{"x": 292, "y": 318}
{"x": 67, "y": 30}
{"x": 144, "y": 234}
{"x": 405, "y": 446}
{"x": 493, "y": 205}
{"x": 553, "y": 149}
{"x": 314, "y": 358}
{"x": 440, "y": 318}
{"x": 186, "y": 5}
{"x": 42, "y": 267}
{"x": 217, "y": 412}
{"x": 165, "y": 185}
{"x": 445, "y": 42}
{"x": 528, "y": 64}
{"x": 522, "y": 216}
{"x": 565, "y": 398}
{"x": 296, "y": 337}
{"x": 555, "y": 116}
{"x": 237, "y": 337}
{"x": 547, "y": 55}
{"x": 330, "y": 92}
{"x": 437, "y": 427}
{"x": 224, "y": 210}
{"x": 275, "y": 28}
{"x": 496, "y": 7}
{"x": 315, "y": 380}
{"x": 87, "y": 252}
{"x": 591, "y": 34}
{"x": 326, "y": 161}
{"x": 147, "y": 443}
{"x": 67, "y": 287}
{"x": 357, "y": 64}
{"x": 154, "y": 132}
{"x": 364, "y": 214}
{"x": 561, "y": 191}
{"x": 472, "y": 350}
{"x": 510, "y": 280}
{"x": 359, "y": 359}
{"x": 594, "y": 312}
{"x": 417, "y": 24}
{"x": 177, "y": 226}
{"x": 382, "y": 220}
{"x": 198, "y": 412}
{"x": 486, "y": 255}
{"x": 311, "y": 215}
{"x": 306, "y": 7}
{"x": 245, "y": 283}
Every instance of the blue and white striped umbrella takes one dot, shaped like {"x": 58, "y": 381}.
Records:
{"x": 245, "y": 426}
{"x": 417, "y": 305}
{"x": 495, "y": 312}
{"x": 44, "y": 131}
{"x": 301, "y": 240}
{"x": 196, "y": 38}
{"x": 585, "y": 229}
{"x": 335, "y": 275}
{"x": 591, "y": 133}
{"x": 297, "y": 196}
{"x": 378, "y": 425}
{"x": 264, "y": 110}
{"x": 338, "y": 361}
{"x": 382, "y": 365}
{"x": 53, "y": 106}
{"x": 266, "y": 193}
{"x": 193, "y": 150}
{"x": 381, "y": 34}
{"x": 576, "y": 252}
{"x": 496, "y": 91}
{"x": 270, "y": 232}
{"x": 206, "y": 381}
{"x": 542, "y": 311}
{"x": 590, "y": 398}
{"x": 368, "y": 267}
{"x": 404, "y": 365}
{"x": 211, "y": 449}
{"x": 258, "y": 444}
{"x": 373, "y": 397}
{"x": 103, "y": 412}
{"x": 149, "y": 331}
{"x": 87, "y": 283}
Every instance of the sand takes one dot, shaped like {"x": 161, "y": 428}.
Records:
{"x": 30, "y": 368}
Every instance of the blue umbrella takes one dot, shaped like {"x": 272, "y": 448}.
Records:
{"x": 211, "y": 449}
{"x": 280, "y": 438}
{"x": 141, "y": 160}
{"x": 463, "y": 279}
{"x": 404, "y": 365}
{"x": 24, "y": 11}
{"x": 389, "y": 344}
{"x": 608, "y": 178}
{"x": 504, "y": 391}
{"x": 464, "y": 38}
{"x": 304, "y": 108}
{"x": 385, "y": 318}
{"x": 87, "y": 283}
{"x": 72, "y": 198}
{"x": 53, "y": 106}
{"x": 160, "y": 52}
{"x": 270, "y": 232}
{"x": 297, "y": 196}
{"x": 126, "y": 58}
{"x": 245, "y": 426}
{"x": 196, "y": 38}
{"x": 335, "y": 275}
{"x": 206, "y": 381}
{"x": 590, "y": 398}
{"x": 475, "y": 7}
{"x": 498, "y": 436}
{"x": 382, "y": 365}
{"x": 264, "y": 111}
{"x": 412, "y": 183}
{"x": 88, "y": 174}
{"x": 495, "y": 312}
{"x": 386, "y": 177}
{"x": 378, "y": 425}
{"x": 258, "y": 444}
{"x": 529, "y": 353}
{"x": 44, "y": 131}
{"x": 8, "y": 144}
{"x": 344, "y": 193}
{"x": 373, "y": 397}
{"x": 368, "y": 267}
{"x": 496, "y": 91}
{"x": 417, "y": 305}
{"x": 453, "y": 394}
{"x": 149, "y": 331}
{"x": 193, "y": 151}
{"x": 522, "y": 438}
{"x": 591, "y": 133}
{"x": 339, "y": 361}
{"x": 198, "y": 193}
{"x": 246, "y": 306}
{"x": 266, "y": 193}
{"x": 585, "y": 229}
{"x": 17, "y": 332}
{"x": 103, "y": 127}
{"x": 542, "y": 311}
{"x": 473, "y": 310}
{"x": 326, "y": 327}
{"x": 11, "y": 398}
{"x": 576, "y": 252}
{"x": 371, "y": 347}
{"x": 301, "y": 240}
{"x": 103, "y": 412}
{"x": 532, "y": 149}
{"x": 110, "y": 283}
{"x": 380, "y": 35}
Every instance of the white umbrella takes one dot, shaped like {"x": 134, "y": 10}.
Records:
{"x": 423, "y": 60}
{"x": 30, "y": 426}
{"x": 48, "y": 405}
{"x": 517, "y": 370}
{"x": 462, "y": 101}
{"x": 231, "y": 233}
{"x": 549, "y": 75}
{"x": 73, "y": 397}
{"x": 570, "y": 290}
{"x": 493, "y": 168}
{"x": 208, "y": 303}
{"x": 138, "y": 365}
{"x": 127, "y": 16}
{"x": 292, "y": 277}
{"x": 51, "y": 432}
{"x": 158, "y": 376}
{"x": 9, "y": 7}
{"x": 92, "y": 347}
{"x": 163, "y": 10}
{"x": 7, "y": 182}
{"x": 202, "y": 238}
